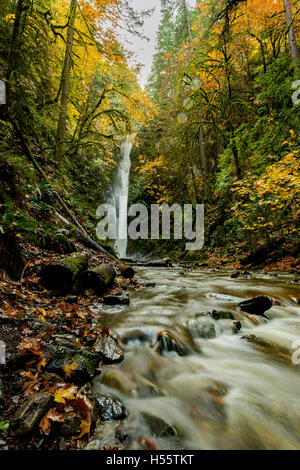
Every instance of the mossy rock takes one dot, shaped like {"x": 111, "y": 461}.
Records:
{"x": 60, "y": 359}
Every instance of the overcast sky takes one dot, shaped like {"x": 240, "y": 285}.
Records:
{"x": 143, "y": 49}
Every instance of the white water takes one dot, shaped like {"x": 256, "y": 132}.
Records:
{"x": 120, "y": 196}
{"x": 228, "y": 394}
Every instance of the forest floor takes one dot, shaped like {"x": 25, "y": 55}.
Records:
{"x": 30, "y": 319}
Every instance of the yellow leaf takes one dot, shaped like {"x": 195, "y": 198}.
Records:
{"x": 67, "y": 394}
{"x": 70, "y": 367}
{"x": 85, "y": 427}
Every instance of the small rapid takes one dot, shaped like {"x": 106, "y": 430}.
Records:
{"x": 228, "y": 392}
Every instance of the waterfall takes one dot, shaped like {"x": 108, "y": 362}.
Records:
{"x": 120, "y": 196}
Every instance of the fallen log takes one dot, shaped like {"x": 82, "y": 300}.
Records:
{"x": 98, "y": 279}
{"x": 61, "y": 275}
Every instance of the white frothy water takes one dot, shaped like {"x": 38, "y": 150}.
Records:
{"x": 228, "y": 393}
{"x": 120, "y": 196}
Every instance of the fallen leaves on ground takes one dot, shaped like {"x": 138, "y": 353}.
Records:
{"x": 31, "y": 383}
{"x": 52, "y": 415}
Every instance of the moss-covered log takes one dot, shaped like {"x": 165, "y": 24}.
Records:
{"x": 61, "y": 275}
{"x": 126, "y": 271}
{"x": 98, "y": 279}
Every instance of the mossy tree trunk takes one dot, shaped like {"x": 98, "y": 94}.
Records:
{"x": 98, "y": 279}
{"x": 61, "y": 275}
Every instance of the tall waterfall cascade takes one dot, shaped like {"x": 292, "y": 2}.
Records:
{"x": 120, "y": 196}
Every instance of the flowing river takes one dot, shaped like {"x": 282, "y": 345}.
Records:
{"x": 226, "y": 392}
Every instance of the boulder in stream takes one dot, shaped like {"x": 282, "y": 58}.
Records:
{"x": 116, "y": 299}
{"x": 217, "y": 315}
{"x": 108, "y": 349}
{"x": 166, "y": 342}
{"x": 256, "y": 306}
{"x": 118, "y": 380}
{"x": 158, "y": 427}
{"x": 110, "y": 408}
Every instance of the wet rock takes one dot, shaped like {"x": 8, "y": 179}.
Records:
{"x": 30, "y": 413}
{"x": 273, "y": 349}
{"x": 217, "y": 315}
{"x": 235, "y": 275}
{"x": 71, "y": 425}
{"x": 202, "y": 328}
{"x": 108, "y": 349}
{"x": 244, "y": 274}
{"x": 117, "y": 299}
{"x": 147, "y": 389}
{"x": 157, "y": 426}
{"x": 257, "y": 305}
{"x": 118, "y": 380}
{"x": 136, "y": 335}
{"x": 105, "y": 435}
{"x": 68, "y": 341}
{"x": 220, "y": 315}
{"x": 59, "y": 357}
{"x": 166, "y": 342}
{"x": 150, "y": 284}
{"x": 110, "y": 408}
{"x": 236, "y": 327}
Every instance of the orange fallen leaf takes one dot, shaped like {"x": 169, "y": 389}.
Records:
{"x": 52, "y": 415}
{"x": 31, "y": 382}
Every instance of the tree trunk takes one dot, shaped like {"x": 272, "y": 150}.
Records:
{"x": 65, "y": 84}
{"x": 98, "y": 279}
{"x": 187, "y": 19}
{"x": 13, "y": 53}
{"x": 61, "y": 275}
{"x": 204, "y": 168}
{"x": 11, "y": 257}
{"x": 291, "y": 34}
